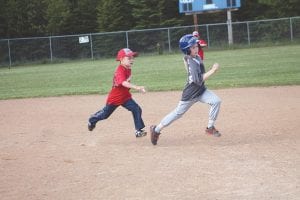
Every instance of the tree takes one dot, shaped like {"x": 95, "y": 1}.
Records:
{"x": 82, "y": 17}
{"x": 3, "y": 17}
{"x": 279, "y": 8}
{"x": 75, "y": 16}
{"x": 147, "y": 14}
{"x": 26, "y": 18}
{"x": 57, "y": 13}
{"x": 170, "y": 15}
{"x": 250, "y": 10}
{"x": 114, "y": 15}
{"x": 88, "y": 16}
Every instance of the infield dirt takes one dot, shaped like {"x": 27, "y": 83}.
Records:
{"x": 46, "y": 151}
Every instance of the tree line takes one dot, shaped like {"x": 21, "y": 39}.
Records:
{"x": 33, "y": 18}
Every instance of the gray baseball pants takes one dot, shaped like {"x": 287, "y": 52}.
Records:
{"x": 207, "y": 97}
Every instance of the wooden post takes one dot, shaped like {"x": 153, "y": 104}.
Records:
{"x": 229, "y": 27}
{"x": 195, "y": 22}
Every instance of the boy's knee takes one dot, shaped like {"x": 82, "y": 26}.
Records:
{"x": 217, "y": 101}
{"x": 105, "y": 116}
{"x": 136, "y": 108}
{"x": 179, "y": 113}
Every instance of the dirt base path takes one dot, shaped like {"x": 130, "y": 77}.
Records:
{"x": 46, "y": 151}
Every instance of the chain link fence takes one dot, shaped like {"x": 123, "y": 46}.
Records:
{"x": 148, "y": 41}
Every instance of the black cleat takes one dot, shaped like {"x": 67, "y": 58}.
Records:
{"x": 140, "y": 133}
{"x": 154, "y": 135}
{"x": 91, "y": 126}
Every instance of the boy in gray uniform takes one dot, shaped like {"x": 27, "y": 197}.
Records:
{"x": 194, "y": 91}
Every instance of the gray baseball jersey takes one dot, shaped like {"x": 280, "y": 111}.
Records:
{"x": 195, "y": 83}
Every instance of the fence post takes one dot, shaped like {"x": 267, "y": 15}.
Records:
{"x": 169, "y": 40}
{"x": 50, "y": 48}
{"x": 92, "y": 52}
{"x": 8, "y": 45}
{"x": 207, "y": 33}
{"x": 229, "y": 27}
{"x": 248, "y": 33}
{"x": 291, "y": 29}
{"x": 127, "y": 43}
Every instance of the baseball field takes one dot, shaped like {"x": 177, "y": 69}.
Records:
{"x": 46, "y": 151}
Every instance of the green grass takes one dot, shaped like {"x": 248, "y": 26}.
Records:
{"x": 268, "y": 66}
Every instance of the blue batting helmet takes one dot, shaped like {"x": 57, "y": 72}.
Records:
{"x": 186, "y": 42}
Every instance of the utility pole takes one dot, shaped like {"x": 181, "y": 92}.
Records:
{"x": 229, "y": 27}
{"x": 195, "y": 22}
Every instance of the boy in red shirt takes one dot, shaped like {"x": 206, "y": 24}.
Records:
{"x": 120, "y": 95}
{"x": 201, "y": 44}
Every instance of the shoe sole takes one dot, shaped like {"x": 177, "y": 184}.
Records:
{"x": 213, "y": 134}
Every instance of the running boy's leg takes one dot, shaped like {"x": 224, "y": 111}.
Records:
{"x": 136, "y": 110}
{"x": 101, "y": 115}
{"x": 214, "y": 101}
{"x": 181, "y": 108}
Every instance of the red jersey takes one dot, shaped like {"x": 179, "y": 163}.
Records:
{"x": 119, "y": 94}
{"x": 201, "y": 44}
{"x": 201, "y": 53}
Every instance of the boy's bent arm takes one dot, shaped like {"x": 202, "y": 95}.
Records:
{"x": 132, "y": 86}
{"x": 213, "y": 70}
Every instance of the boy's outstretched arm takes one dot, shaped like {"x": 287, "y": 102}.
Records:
{"x": 132, "y": 86}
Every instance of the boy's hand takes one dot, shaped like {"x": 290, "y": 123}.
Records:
{"x": 215, "y": 67}
{"x": 141, "y": 89}
{"x": 213, "y": 70}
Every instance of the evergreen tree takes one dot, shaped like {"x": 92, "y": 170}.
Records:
{"x": 26, "y": 18}
{"x": 249, "y": 10}
{"x": 170, "y": 15}
{"x": 80, "y": 17}
{"x": 114, "y": 15}
{"x": 3, "y": 17}
{"x": 279, "y": 8}
{"x": 147, "y": 14}
{"x": 88, "y": 15}
{"x": 57, "y": 13}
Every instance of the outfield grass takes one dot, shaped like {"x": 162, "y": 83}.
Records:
{"x": 267, "y": 66}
